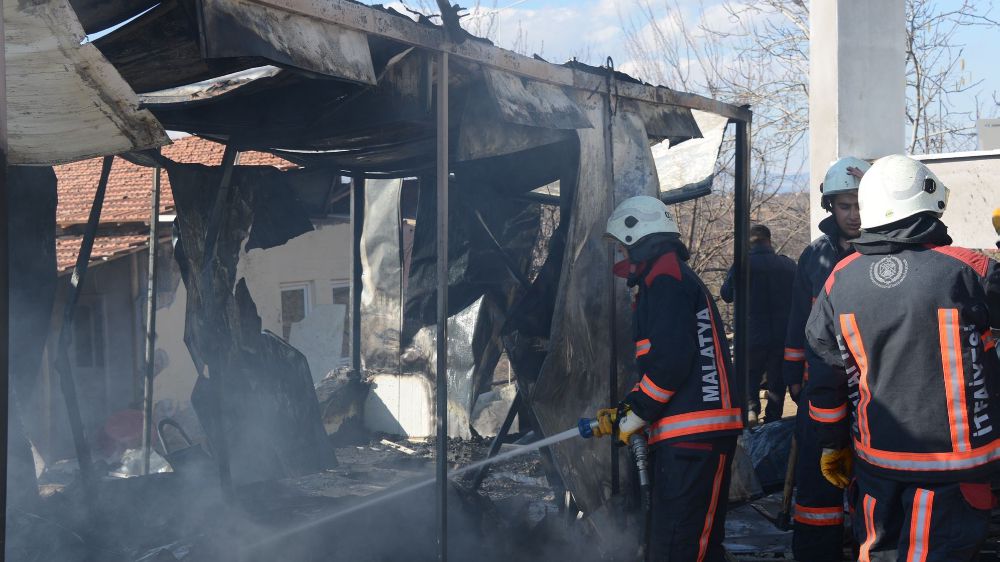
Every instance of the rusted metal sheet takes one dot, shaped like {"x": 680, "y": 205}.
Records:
{"x": 384, "y": 24}
{"x": 528, "y": 102}
{"x": 64, "y": 101}
{"x": 686, "y": 170}
{"x": 241, "y": 29}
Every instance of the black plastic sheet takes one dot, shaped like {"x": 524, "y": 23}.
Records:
{"x": 270, "y": 418}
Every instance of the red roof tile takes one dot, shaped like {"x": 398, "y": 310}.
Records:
{"x": 127, "y": 197}
{"x": 105, "y": 248}
{"x": 128, "y": 192}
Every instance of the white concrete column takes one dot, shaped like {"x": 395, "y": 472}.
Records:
{"x": 857, "y": 85}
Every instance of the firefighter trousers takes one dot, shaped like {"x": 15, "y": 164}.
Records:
{"x": 818, "y": 528}
{"x": 911, "y": 522}
{"x": 767, "y": 359}
{"x": 689, "y": 500}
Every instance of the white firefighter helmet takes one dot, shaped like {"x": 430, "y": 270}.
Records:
{"x": 638, "y": 217}
{"x": 897, "y": 187}
{"x": 838, "y": 180}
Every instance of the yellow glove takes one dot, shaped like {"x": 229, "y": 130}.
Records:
{"x": 835, "y": 464}
{"x": 606, "y": 422}
{"x": 629, "y": 424}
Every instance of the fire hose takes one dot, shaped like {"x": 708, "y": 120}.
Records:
{"x": 640, "y": 456}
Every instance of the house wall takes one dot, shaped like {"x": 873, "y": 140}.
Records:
{"x": 319, "y": 260}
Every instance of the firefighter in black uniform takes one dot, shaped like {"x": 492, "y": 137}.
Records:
{"x": 818, "y": 529}
{"x": 771, "y": 277}
{"x": 906, "y": 323}
{"x": 687, "y": 400}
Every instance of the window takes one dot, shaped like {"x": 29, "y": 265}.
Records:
{"x": 294, "y": 306}
{"x": 342, "y": 297}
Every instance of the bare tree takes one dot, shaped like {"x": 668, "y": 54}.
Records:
{"x": 756, "y": 53}
{"x": 936, "y": 77}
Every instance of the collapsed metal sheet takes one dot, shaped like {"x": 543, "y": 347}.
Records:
{"x": 421, "y": 356}
{"x": 382, "y": 278}
{"x": 671, "y": 122}
{"x": 484, "y": 134}
{"x": 64, "y": 101}
{"x": 160, "y": 49}
{"x": 240, "y": 29}
{"x": 535, "y": 104}
{"x": 270, "y": 418}
{"x": 474, "y": 264}
{"x": 574, "y": 380}
{"x": 687, "y": 170}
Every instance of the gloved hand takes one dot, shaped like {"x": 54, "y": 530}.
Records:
{"x": 835, "y": 464}
{"x": 629, "y": 424}
{"x": 606, "y": 422}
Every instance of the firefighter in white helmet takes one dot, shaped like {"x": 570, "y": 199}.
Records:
{"x": 905, "y": 321}
{"x": 687, "y": 398}
{"x": 818, "y": 523}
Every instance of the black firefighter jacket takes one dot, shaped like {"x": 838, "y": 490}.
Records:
{"x": 771, "y": 278}
{"x": 687, "y": 387}
{"x": 908, "y": 330}
{"x": 815, "y": 265}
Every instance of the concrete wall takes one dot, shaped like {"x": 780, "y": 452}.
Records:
{"x": 975, "y": 192}
{"x": 857, "y": 85}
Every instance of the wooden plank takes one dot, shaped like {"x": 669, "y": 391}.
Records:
{"x": 404, "y": 30}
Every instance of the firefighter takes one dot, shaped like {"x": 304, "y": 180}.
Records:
{"x": 771, "y": 278}
{"x": 687, "y": 401}
{"x": 818, "y": 525}
{"x": 906, "y": 323}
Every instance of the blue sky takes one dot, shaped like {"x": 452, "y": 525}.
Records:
{"x": 591, "y": 30}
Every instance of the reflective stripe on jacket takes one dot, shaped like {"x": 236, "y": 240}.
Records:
{"x": 686, "y": 386}
{"x": 909, "y": 332}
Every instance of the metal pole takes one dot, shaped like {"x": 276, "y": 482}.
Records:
{"x": 442, "y": 306}
{"x": 147, "y": 403}
{"x": 4, "y": 295}
{"x": 740, "y": 262}
{"x": 358, "y": 226}
{"x": 609, "y": 159}
{"x": 62, "y": 360}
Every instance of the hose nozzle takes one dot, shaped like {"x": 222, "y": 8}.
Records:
{"x": 586, "y": 426}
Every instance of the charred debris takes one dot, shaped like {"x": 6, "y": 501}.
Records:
{"x": 504, "y": 167}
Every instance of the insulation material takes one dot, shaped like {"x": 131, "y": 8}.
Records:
{"x": 240, "y": 29}
{"x": 687, "y": 170}
{"x": 382, "y": 278}
{"x": 65, "y": 102}
{"x": 270, "y": 417}
{"x": 574, "y": 380}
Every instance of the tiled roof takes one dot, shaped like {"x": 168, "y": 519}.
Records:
{"x": 105, "y": 248}
{"x": 128, "y": 192}
{"x": 127, "y": 197}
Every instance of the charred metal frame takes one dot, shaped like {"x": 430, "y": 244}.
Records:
{"x": 69, "y": 314}
{"x": 441, "y": 388}
{"x": 147, "y": 401}
{"x": 361, "y": 18}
